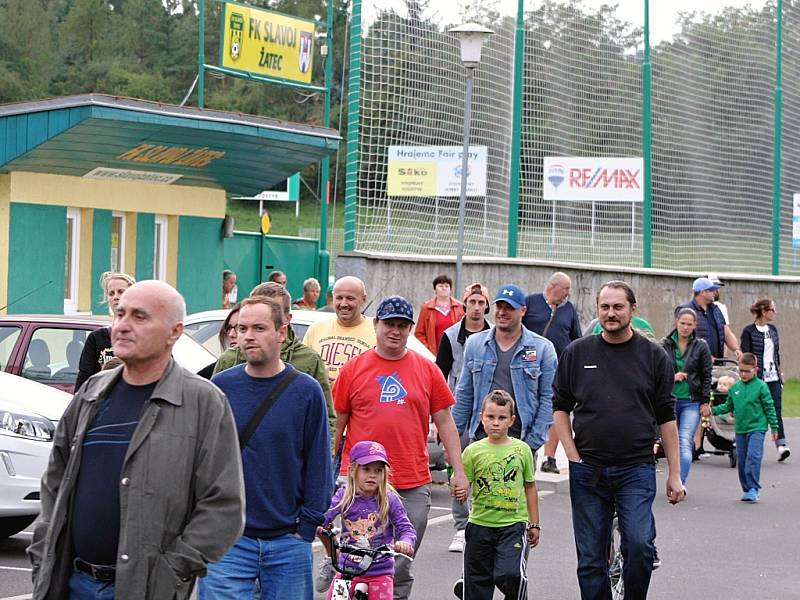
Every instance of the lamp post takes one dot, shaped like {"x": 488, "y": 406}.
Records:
{"x": 471, "y": 36}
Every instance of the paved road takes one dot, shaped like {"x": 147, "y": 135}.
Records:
{"x": 713, "y": 546}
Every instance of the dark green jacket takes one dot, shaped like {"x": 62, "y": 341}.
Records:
{"x": 752, "y": 405}
{"x": 297, "y": 354}
{"x": 181, "y": 489}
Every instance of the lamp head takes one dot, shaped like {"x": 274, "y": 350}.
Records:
{"x": 471, "y": 36}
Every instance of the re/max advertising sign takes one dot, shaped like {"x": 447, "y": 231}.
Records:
{"x": 593, "y": 179}
{"x": 263, "y": 42}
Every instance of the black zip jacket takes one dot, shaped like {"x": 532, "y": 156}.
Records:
{"x": 697, "y": 366}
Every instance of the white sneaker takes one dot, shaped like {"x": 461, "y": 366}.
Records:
{"x": 457, "y": 545}
{"x": 783, "y": 453}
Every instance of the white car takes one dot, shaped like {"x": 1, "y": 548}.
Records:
{"x": 29, "y": 412}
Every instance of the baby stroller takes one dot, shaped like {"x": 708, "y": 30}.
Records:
{"x": 722, "y": 430}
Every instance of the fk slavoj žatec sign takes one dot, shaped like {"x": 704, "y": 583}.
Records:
{"x": 266, "y": 43}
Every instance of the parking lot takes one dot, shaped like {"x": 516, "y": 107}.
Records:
{"x": 713, "y": 546}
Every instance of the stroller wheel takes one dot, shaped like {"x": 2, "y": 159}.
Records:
{"x": 732, "y": 459}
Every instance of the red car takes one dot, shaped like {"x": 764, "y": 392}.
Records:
{"x": 47, "y": 348}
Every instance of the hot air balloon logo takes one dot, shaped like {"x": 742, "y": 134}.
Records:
{"x": 556, "y": 175}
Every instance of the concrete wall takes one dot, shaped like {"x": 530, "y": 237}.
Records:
{"x": 658, "y": 292}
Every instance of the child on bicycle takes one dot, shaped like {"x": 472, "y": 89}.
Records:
{"x": 372, "y": 515}
{"x": 504, "y": 518}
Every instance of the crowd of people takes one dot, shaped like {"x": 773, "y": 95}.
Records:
{"x": 158, "y": 478}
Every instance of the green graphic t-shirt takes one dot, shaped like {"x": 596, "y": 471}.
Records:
{"x": 498, "y": 474}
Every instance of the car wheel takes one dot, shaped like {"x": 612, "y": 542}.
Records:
{"x": 12, "y": 525}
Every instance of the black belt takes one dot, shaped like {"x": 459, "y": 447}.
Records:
{"x": 104, "y": 573}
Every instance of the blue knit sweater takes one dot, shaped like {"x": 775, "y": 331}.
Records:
{"x": 287, "y": 462}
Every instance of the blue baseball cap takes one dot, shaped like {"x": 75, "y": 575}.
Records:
{"x": 395, "y": 307}
{"x": 701, "y": 284}
{"x": 512, "y": 294}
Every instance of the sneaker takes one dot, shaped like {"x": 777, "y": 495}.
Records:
{"x": 750, "y": 495}
{"x": 549, "y": 466}
{"x": 458, "y": 589}
{"x": 457, "y": 545}
{"x": 656, "y": 559}
{"x": 783, "y": 453}
{"x": 323, "y": 579}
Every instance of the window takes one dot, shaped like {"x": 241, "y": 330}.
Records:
{"x": 8, "y": 339}
{"x": 160, "y": 249}
{"x": 71, "y": 260}
{"x": 118, "y": 242}
{"x": 53, "y": 355}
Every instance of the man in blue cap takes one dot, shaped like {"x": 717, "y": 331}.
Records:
{"x": 711, "y": 325}
{"x": 508, "y": 357}
{"x": 390, "y": 394}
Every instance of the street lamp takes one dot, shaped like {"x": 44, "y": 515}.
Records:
{"x": 471, "y": 36}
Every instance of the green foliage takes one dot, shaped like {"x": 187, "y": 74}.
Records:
{"x": 790, "y": 404}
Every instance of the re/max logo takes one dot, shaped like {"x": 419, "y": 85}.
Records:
{"x": 604, "y": 178}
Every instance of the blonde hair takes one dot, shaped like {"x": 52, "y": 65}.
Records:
{"x": 385, "y": 490}
{"x": 109, "y": 275}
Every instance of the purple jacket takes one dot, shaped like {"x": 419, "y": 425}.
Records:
{"x": 360, "y": 527}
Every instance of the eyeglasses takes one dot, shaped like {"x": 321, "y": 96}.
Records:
{"x": 746, "y": 371}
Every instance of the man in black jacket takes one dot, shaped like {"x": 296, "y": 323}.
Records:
{"x": 618, "y": 385}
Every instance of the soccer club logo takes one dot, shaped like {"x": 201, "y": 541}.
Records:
{"x": 392, "y": 389}
{"x": 556, "y": 175}
{"x": 236, "y": 27}
{"x": 304, "y": 57}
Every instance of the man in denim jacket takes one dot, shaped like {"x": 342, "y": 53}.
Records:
{"x": 510, "y": 358}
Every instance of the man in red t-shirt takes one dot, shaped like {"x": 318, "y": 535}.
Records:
{"x": 388, "y": 394}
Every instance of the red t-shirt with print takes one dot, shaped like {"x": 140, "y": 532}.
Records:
{"x": 390, "y": 401}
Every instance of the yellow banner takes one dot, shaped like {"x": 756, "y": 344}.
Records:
{"x": 412, "y": 178}
{"x": 266, "y": 43}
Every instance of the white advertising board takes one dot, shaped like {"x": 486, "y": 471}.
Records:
{"x": 593, "y": 179}
{"x": 796, "y": 221}
{"x": 435, "y": 171}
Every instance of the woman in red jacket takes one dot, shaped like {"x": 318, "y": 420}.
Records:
{"x": 438, "y": 313}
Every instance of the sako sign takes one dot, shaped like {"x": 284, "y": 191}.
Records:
{"x": 593, "y": 179}
{"x": 435, "y": 171}
{"x": 266, "y": 43}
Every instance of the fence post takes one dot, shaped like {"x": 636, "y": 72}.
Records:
{"x": 324, "y": 182}
{"x": 516, "y": 133}
{"x": 353, "y": 114}
{"x": 647, "y": 142}
{"x": 201, "y": 53}
{"x": 777, "y": 138}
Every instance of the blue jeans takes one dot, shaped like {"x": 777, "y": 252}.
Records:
{"x": 85, "y": 587}
{"x": 283, "y": 566}
{"x": 596, "y": 493}
{"x": 688, "y": 414}
{"x": 749, "y": 452}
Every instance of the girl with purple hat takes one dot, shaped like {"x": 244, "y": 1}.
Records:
{"x": 372, "y": 515}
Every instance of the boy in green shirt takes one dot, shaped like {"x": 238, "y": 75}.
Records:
{"x": 504, "y": 518}
{"x": 751, "y": 403}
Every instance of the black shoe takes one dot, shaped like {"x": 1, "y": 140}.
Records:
{"x": 549, "y": 466}
{"x": 458, "y": 589}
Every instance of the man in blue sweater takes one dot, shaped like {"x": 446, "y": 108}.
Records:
{"x": 286, "y": 463}
{"x": 552, "y": 315}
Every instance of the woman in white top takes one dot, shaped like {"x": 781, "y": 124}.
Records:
{"x": 761, "y": 338}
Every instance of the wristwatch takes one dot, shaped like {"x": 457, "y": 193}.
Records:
{"x": 534, "y": 526}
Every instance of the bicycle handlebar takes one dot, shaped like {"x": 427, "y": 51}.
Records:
{"x": 330, "y": 541}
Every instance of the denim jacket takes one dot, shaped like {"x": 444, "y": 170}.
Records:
{"x": 533, "y": 367}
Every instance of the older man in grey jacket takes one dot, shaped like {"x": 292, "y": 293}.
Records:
{"x": 144, "y": 484}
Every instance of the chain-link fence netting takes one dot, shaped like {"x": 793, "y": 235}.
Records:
{"x": 713, "y": 129}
